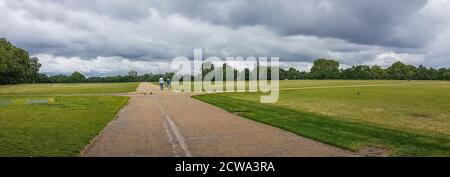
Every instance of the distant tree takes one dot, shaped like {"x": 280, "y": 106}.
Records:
{"x": 433, "y": 74}
{"x": 357, "y": 72}
{"x": 59, "y": 78}
{"x": 364, "y": 72}
{"x": 422, "y": 73}
{"x": 442, "y": 73}
{"x": 207, "y": 67}
{"x": 400, "y": 71}
{"x": 325, "y": 69}
{"x": 293, "y": 74}
{"x": 33, "y": 69}
{"x": 379, "y": 73}
{"x": 77, "y": 77}
{"x": 446, "y": 75}
{"x": 43, "y": 78}
{"x": 283, "y": 74}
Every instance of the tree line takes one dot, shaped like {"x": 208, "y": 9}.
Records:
{"x": 329, "y": 69}
{"x": 77, "y": 77}
{"x": 321, "y": 70}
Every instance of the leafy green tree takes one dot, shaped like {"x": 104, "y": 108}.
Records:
{"x": 293, "y": 74}
{"x": 32, "y": 72}
{"x": 207, "y": 67}
{"x": 77, "y": 77}
{"x": 400, "y": 71}
{"x": 446, "y": 75}
{"x": 363, "y": 72}
{"x": 59, "y": 79}
{"x": 422, "y": 73}
{"x": 441, "y": 73}
{"x": 433, "y": 74}
{"x": 15, "y": 64}
{"x": 43, "y": 78}
{"x": 358, "y": 72}
{"x": 325, "y": 69}
{"x": 379, "y": 73}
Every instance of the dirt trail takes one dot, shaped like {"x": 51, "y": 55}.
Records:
{"x": 168, "y": 124}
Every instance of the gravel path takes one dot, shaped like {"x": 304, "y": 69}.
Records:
{"x": 168, "y": 124}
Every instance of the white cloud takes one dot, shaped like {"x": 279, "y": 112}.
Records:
{"x": 387, "y": 59}
{"x": 99, "y": 66}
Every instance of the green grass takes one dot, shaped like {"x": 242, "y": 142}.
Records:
{"x": 328, "y": 83}
{"x": 85, "y": 88}
{"x": 53, "y": 126}
{"x": 409, "y": 118}
{"x": 316, "y": 84}
{"x": 46, "y": 120}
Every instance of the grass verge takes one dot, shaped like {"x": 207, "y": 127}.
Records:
{"x": 53, "y": 126}
{"x": 84, "y": 88}
{"x": 354, "y": 136}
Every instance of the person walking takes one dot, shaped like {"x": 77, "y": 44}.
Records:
{"x": 161, "y": 83}
{"x": 169, "y": 83}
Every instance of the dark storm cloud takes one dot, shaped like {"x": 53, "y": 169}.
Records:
{"x": 78, "y": 28}
{"x": 358, "y": 21}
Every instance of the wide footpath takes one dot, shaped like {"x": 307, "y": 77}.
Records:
{"x": 169, "y": 124}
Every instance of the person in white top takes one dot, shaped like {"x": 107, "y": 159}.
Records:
{"x": 161, "y": 83}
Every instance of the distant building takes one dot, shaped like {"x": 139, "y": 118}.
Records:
{"x": 132, "y": 73}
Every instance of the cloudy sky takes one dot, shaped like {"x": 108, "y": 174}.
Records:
{"x": 108, "y": 37}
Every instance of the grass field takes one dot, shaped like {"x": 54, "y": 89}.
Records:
{"x": 402, "y": 118}
{"x": 41, "y": 124}
{"x": 88, "y": 88}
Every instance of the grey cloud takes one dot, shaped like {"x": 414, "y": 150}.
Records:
{"x": 370, "y": 22}
{"x": 114, "y": 9}
{"x": 352, "y": 31}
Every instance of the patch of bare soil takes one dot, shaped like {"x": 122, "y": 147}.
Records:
{"x": 421, "y": 116}
{"x": 371, "y": 151}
